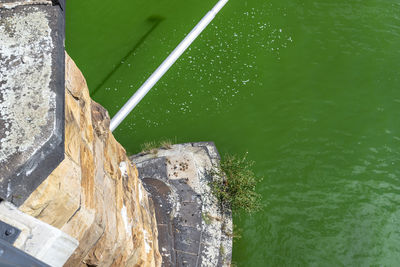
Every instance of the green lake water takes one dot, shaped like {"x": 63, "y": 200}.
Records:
{"x": 310, "y": 88}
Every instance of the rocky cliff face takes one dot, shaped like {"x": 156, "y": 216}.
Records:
{"x": 95, "y": 195}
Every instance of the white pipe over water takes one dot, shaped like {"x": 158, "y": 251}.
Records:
{"x": 164, "y": 67}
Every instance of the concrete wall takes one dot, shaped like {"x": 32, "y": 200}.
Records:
{"x": 31, "y": 95}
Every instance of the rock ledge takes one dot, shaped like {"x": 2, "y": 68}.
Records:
{"x": 192, "y": 229}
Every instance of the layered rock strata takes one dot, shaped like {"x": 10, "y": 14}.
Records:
{"x": 193, "y": 230}
{"x": 95, "y": 195}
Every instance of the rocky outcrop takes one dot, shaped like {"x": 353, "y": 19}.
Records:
{"x": 95, "y": 195}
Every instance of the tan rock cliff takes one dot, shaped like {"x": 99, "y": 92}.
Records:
{"x": 95, "y": 195}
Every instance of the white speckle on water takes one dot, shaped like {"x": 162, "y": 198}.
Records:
{"x": 358, "y": 169}
{"x": 373, "y": 149}
{"x": 220, "y": 70}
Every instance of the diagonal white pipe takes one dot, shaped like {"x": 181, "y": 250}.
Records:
{"x": 164, "y": 67}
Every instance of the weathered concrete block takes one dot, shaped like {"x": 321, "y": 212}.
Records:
{"x": 38, "y": 239}
{"x": 31, "y": 95}
{"x": 179, "y": 185}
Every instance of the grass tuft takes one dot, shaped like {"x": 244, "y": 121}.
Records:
{"x": 234, "y": 184}
{"x": 153, "y": 146}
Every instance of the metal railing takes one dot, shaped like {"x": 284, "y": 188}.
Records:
{"x": 166, "y": 65}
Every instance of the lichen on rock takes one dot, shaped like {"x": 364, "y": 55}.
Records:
{"x": 25, "y": 105}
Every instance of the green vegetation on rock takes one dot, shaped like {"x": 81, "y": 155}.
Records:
{"x": 153, "y": 146}
{"x": 234, "y": 184}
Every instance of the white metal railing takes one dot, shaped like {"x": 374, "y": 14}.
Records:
{"x": 164, "y": 67}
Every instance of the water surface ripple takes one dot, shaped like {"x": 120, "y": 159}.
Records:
{"x": 309, "y": 88}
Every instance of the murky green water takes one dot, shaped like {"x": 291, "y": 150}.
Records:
{"x": 310, "y": 88}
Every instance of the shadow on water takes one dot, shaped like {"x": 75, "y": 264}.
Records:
{"x": 155, "y": 20}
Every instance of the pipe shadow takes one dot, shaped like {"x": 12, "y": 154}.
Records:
{"x": 156, "y": 20}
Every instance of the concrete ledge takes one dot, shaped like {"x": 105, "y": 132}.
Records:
{"x": 38, "y": 239}
{"x": 31, "y": 95}
{"x": 192, "y": 230}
